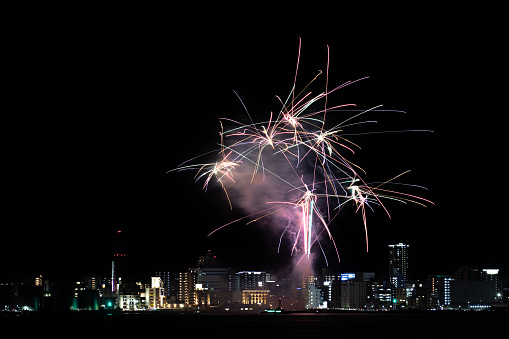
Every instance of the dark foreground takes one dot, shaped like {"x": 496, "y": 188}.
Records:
{"x": 357, "y": 325}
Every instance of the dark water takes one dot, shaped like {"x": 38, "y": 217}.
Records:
{"x": 357, "y": 325}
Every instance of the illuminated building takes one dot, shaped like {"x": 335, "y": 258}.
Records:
{"x": 154, "y": 297}
{"x": 439, "y": 291}
{"x": 129, "y": 302}
{"x": 398, "y": 267}
{"x": 255, "y": 297}
{"x": 398, "y": 261}
{"x": 314, "y": 299}
{"x": 155, "y": 293}
{"x": 156, "y": 282}
{"x": 380, "y": 295}
{"x": 186, "y": 292}
{"x": 202, "y": 296}
{"x": 131, "y": 297}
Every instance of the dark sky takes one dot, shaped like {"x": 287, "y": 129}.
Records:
{"x": 95, "y": 112}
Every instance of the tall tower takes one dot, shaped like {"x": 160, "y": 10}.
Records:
{"x": 117, "y": 261}
{"x": 398, "y": 263}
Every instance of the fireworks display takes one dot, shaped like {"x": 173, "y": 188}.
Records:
{"x": 302, "y": 164}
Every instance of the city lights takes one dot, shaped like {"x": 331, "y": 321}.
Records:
{"x": 212, "y": 287}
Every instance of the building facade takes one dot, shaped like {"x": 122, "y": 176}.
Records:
{"x": 353, "y": 294}
{"x": 187, "y": 283}
{"x": 255, "y": 297}
{"x": 398, "y": 261}
{"x": 217, "y": 281}
{"x": 314, "y": 297}
{"x": 250, "y": 280}
{"x": 439, "y": 291}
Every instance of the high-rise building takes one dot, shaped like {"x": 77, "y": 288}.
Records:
{"x": 187, "y": 285}
{"x": 398, "y": 262}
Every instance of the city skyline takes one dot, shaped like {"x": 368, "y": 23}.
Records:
{"x": 93, "y": 126}
{"x": 210, "y": 286}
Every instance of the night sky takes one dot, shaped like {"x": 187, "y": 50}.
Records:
{"x": 95, "y": 112}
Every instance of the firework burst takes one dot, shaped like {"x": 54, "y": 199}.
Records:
{"x": 312, "y": 170}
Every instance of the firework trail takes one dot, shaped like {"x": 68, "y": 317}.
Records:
{"x": 293, "y": 148}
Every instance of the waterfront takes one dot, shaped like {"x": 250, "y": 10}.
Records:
{"x": 359, "y": 324}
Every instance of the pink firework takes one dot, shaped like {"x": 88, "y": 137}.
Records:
{"x": 305, "y": 162}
